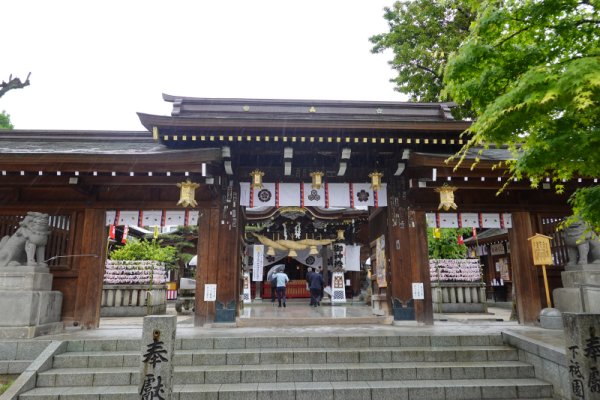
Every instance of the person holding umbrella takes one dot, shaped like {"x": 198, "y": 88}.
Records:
{"x": 281, "y": 279}
{"x": 272, "y": 280}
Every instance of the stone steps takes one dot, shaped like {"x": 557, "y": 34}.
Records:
{"x": 329, "y": 368}
{"x": 274, "y": 373}
{"x": 355, "y": 390}
{"x": 292, "y": 356}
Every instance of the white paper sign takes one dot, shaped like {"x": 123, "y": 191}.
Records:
{"x": 247, "y": 290}
{"x": 448, "y": 220}
{"x": 129, "y": 218}
{"x": 110, "y": 217}
{"x": 194, "y": 215}
{"x": 352, "y": 258}
{"x": 258, "y": 260}
{"x": 431, "y": 220}
{"x": 490, "y": 220}
{"x": 418, "y": 291}
{"x": 210, "y": 292}
{"x": 469, "y": 220}
{"x": 507, "y": 220}
{"x": 152, "y": 218}
{"x": 174, "y": 218}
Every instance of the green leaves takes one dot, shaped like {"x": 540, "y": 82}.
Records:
{"x": 446, "y": 246}
{"x": 5, "y": 121}
{"x": 145, "y": 250}
{"x": 531, "y": 70}
{"x": 422, "y": 34}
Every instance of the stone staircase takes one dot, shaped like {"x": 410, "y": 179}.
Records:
{"x": 298, "y": 368}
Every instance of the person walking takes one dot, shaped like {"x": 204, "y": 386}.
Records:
{"x": 309, "y": 272}
{"x": 273, "y": 283}
{"x": 282, "y": 280}
{"x": 316, "y": 286}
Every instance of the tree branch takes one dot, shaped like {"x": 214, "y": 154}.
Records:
{"x": 506, "y": 39}
{"x": 424, "y": 68}
{"x": 13, "y": 83}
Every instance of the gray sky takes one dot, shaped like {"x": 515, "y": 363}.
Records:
{"x": 94, "y": 64}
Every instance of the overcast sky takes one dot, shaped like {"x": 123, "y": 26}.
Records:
{"x": 94, "y": 64}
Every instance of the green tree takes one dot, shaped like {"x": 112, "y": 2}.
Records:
{"x": 5, "y": 121}
{"x": 444, "y": 244}
{"x": 422, "y": 33}
{"x": 531, "y": 70}
{"x": 146, "y": 250}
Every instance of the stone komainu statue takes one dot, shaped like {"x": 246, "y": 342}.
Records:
{"x": 583, "y": 245}
{"x": 28, "y": 244}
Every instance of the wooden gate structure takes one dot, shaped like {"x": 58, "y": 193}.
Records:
{"x": 77, "y": 176}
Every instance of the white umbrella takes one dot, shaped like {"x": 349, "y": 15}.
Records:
{"x": 274, "y": 268}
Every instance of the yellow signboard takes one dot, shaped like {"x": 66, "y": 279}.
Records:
{"x": 542, "y": 255}
{"x": 540, "y": 248}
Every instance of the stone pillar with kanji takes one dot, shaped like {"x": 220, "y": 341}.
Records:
{"x": 582, "y": 342}
{"x": 158, "y": 349}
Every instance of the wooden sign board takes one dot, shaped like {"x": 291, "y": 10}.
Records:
{"x": 540, "y": 248}
{"x": 497, "y": 249}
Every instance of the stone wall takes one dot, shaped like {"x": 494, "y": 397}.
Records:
{"x": 549, "y": 361}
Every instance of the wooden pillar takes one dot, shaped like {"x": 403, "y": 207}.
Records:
{"x": 218, "y": 260}
{"x": 409, "y": 258}
{"x": 91, "y": 239}
{"x": 524, "y": 272}
{"x": 491, "y": 270}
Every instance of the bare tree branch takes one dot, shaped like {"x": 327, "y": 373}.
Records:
{"x": 13, "y": 83}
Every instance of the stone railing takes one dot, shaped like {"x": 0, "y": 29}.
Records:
{"x": 133, "y": 300}
{"x": 458, "y": 297}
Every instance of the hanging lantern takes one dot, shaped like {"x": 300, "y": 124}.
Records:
{"x": 446, "y": 197}
{"x": 313, "y": 251}
{"x": 375, "y": 180}
{"x": 271, "y": 251}
{"x": 317, "y": 179}
{"x": 257, "y": 178}
{"x": 340, "y": 235}
{"x": 437, "y": 233}
{"x": 188, "y": 193}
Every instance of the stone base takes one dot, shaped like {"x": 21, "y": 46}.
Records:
{"x": 551, "y": 318}
{"x": 29, "y": 308}
{"x": 459, "y": 308}
{"x": 583, "y": 267}
{"x": 581, "y": 291}
{"x": 380, "y": 305}
{"x": 568, "y": 299}
{"x": 574, "y": 278}
{"x": 133, "y": 311}
{"x": 25, "y": 278}
{"x": 584, "y": 299}
{"x": 28, "y": 332}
